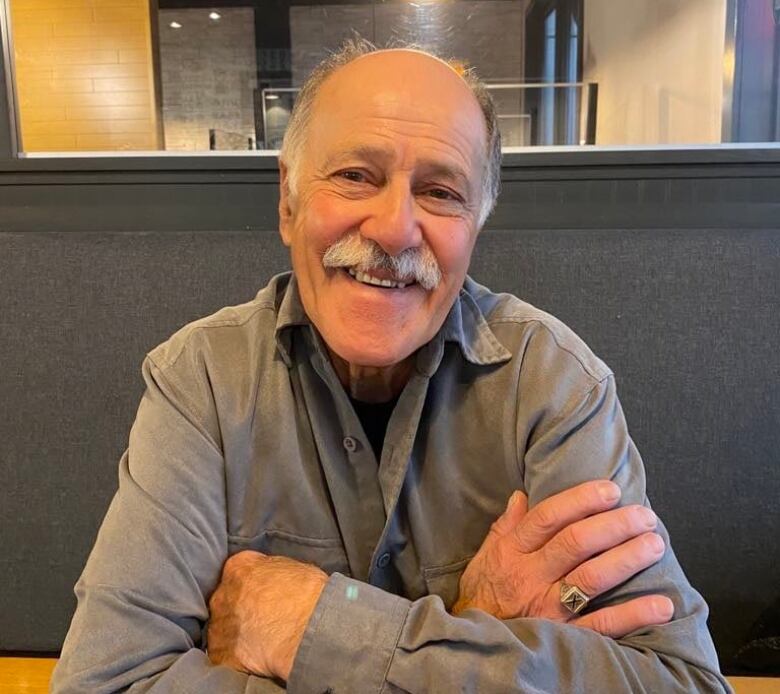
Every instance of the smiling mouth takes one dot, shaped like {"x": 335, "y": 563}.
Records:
{"x": 365, "y": 278}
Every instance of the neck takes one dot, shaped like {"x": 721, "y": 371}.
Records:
{"x": 372, "y": 383}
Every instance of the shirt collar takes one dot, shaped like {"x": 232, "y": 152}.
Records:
{"x": 289, "y": 314}
{"x": 465, "y": 325}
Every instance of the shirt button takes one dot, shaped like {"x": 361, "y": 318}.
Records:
{"x": 383, "y": 561}
{"x": 350, "y": 444}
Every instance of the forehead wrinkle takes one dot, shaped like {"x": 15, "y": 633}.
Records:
{"x": 436, "y": 128}
{"x": 454, "y": 146}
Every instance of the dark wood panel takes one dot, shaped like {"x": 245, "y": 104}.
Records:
{"x": 102, "y": 207}
{"x": 637, "y": 190}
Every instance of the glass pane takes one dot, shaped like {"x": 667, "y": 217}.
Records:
{"x": 659, "y": 67}
{"x": 548, "y": 76}
{"x": 572, "y": 94}
{"x": 188, "y": 76}
{"x": 208, "y": 74}
{"x": 83, "y": 75}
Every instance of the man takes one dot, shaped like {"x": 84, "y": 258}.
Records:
{"x": 379, "y": 476}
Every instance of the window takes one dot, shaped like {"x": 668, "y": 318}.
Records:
{"x": 191, "y": 76}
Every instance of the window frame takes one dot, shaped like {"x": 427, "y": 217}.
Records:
{"x": 9, "y": 144}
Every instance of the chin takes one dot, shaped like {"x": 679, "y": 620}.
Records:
{"x": 379, "y": 354}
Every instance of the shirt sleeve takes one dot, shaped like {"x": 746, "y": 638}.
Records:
{"x": 142, "y": 598}
{"x": 363, "y": 639}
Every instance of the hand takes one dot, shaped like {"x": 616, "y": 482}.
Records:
{"x": 259, "y": 611}
{"x": 577, "y": 536}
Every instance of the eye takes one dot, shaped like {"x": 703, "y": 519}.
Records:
{"x": 443, "y": 194}
{"x": 352, "y": 175}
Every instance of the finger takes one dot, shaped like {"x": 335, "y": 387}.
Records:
{"x": 553, "y": 514}
{"x": 515, "y": 510}
{"x": 604, "y": 572}
{"x": 618, "y": 620}
{"x": 581, "y": 540}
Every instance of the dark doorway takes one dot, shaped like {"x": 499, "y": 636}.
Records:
{"x": 554, "y": 57}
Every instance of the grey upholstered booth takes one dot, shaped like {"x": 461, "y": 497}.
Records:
{"x": 687, "y": 319}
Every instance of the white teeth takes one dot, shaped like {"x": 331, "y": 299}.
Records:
{"x": 365, "y": 278}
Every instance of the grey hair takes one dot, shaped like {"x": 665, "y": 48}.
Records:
{"x": 352, "y": 49}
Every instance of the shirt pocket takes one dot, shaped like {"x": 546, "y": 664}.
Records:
{"x": 326, "y": 553}
{"x": 444, "y": 580}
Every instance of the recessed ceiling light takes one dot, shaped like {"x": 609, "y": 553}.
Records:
{"x": 175, "y": 25}
{"x": 271, "y": 96}
{"x": 215, "y": 16}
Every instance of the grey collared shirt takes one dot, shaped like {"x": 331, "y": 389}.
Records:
{"x": 245, "y": 439}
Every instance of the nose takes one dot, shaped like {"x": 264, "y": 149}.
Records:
{"x": 392, "y": 220}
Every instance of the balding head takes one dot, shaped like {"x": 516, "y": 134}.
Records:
{"x": 359, "y": 66}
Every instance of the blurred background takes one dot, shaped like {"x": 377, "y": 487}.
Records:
{"x": 185, "y": 75}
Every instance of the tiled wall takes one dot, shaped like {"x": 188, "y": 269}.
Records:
{"x": 84, "y": 75}
{"x": 209, "y": 76}
{"x": 488, "y": 34}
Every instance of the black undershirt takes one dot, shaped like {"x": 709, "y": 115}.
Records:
{"x": 374, "y": 417}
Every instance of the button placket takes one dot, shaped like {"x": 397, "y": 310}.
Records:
{"x": 355, "y": 490}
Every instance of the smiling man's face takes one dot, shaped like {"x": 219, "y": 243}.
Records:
{"x": 394, "y": 158}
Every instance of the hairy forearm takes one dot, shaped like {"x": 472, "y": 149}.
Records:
{"x": 259, "y": 612}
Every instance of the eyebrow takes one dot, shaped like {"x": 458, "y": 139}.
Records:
{"x": 359, "y": 152}
{"x": 383, "y": 156}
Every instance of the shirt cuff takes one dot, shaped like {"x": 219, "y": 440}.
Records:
{"x": 350, "y": 639}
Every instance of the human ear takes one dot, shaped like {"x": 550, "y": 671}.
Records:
{"x": 285, "y": 212}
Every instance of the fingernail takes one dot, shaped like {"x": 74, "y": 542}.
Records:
{"x": 513, "y": 499}
{"x": 656, "y": 543}
{"x": 664, "y": 608}
{"x": 609, "y": 491}
{"x": 648, "y": 517}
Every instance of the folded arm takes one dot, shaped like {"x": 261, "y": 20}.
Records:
{"x": 508, "y": 630}
{"x": 143, "y": 597}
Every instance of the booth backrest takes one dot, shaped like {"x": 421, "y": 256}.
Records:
{"x": 687, "y": 319}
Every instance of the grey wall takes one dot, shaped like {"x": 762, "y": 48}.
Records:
{"x": 466, "y": 30}
{"x": 487, "y": 34}
{"x": 208, "y": 73}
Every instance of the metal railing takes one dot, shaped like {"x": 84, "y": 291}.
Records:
{"x": 529, "y": 113}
